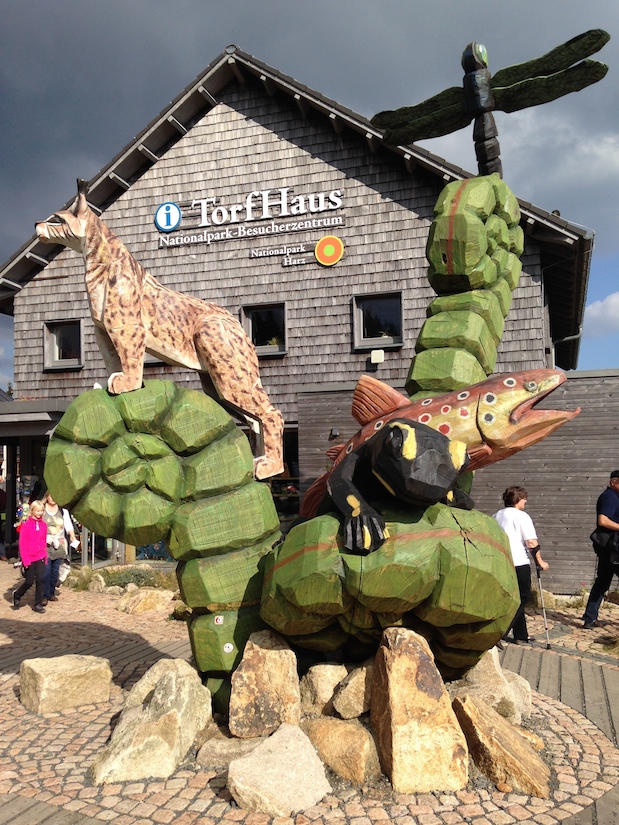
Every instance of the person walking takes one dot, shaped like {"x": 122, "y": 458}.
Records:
{"x": 33, "y": 554}
{"x": 59, "y": 524}
{"x": 604, "y": 539}
{"x": 523, "y": 543}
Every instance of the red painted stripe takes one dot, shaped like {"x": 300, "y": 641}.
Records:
{"x": 450, "y": 234}
{"x": 445, "y": 533}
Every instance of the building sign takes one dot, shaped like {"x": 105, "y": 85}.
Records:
{"x": 272, "y": 211}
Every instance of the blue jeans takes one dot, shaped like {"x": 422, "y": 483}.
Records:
{"x": 52, "y": 568}
{"x": 602, "y": 582}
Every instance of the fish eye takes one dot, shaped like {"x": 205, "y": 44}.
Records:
{"x": 395, "y": 441}
{"x": 530, "y": 386}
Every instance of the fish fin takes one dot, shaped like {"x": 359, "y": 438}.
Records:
{"x": 373, "y": 399}
{"x": 477, "y": 452}
{"x": 313, "y": 496}
{"x": 334, "y": 452}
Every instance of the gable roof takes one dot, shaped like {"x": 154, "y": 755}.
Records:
{"x": 565, "y": 247}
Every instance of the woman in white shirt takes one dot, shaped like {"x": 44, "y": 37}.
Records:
{"x": 523, "y": 543}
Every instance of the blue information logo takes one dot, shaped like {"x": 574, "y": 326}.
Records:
{"x": 168, "y": 217}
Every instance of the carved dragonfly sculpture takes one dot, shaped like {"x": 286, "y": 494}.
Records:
{"x": 537, "y": 81}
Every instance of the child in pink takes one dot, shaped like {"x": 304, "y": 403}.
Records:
{"x": 33, "y": 554}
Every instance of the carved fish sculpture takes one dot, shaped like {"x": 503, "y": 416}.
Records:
{"x": 495, "y": 419}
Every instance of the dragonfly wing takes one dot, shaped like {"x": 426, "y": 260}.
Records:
{"x": 538, "y": 90}
{"x": 554, "y": 61}
{"x": 439, "y": 115}
{"x": 437, "y": 124}
{"x": 400, "y": 117}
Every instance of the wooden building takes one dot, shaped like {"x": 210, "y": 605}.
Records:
{"x": 226, "y": 195}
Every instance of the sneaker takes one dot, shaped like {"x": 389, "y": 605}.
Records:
{"x": 590, "y": 625}
{"x": 16, "y": 602}
{"x": 38, "y": 608}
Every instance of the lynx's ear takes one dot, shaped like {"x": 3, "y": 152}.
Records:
{"x": 80, "y": 205}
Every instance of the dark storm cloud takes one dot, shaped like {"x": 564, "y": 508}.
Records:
{"x": 80, "y": 79}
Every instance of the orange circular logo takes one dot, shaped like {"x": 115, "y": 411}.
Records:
{"x": 329, "y": 250}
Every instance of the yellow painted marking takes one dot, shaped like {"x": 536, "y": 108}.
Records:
{"x": 354, "y": 504}
{"x": 387, "y": 534}
{"x": 450, "y": 496}
{"x": 367, "y": 539}
{"x": 384, "y": 483}
{"x": 457, "y": 451}
{"x": 409, "y": 448}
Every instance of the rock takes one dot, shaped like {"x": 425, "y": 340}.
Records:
{"x": 114, "y": 590}
{"x": 97, "y": 583}
{"x": 222, "y": 748}
{"x": 352, "y": 697}
{"x": 536, "y": 742}
{"x": 144, "y": 688}
{"x": 280, "y": 777}
{"x": 152, "y": 739}
{"x": 318, "y": 685}
{"x": 265, "y": 687}
{"x": 62, "y": 682}
{"x": 510, "y": 697}
{"x": 521, "y": 693}
{"x": 345, "y": 747}
{"x": 144, "y": 600}
{"x": 420, "y": 744}
{"x": 499, "y": 750}
{"x": 131, "y": 587}
{"x": 550, "y": 603}
{"x": 180, "y": 611}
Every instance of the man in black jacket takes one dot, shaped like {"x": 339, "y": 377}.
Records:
{"x": 608, "y": 524}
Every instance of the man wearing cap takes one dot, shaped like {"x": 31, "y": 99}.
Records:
{"x": 608, "y": 520}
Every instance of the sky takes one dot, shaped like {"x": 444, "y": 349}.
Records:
{"x": 80, "y": 78}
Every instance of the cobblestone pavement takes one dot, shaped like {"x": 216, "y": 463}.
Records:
{"x": 48, "y": 758}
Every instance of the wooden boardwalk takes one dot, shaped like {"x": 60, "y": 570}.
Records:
{"x": 589, "y": 686}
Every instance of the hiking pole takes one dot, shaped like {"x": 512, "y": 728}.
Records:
{"x": 541, "y": 595}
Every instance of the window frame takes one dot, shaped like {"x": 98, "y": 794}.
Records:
{"x": 269, "y": 350}
{"x": 51, "y": 361}
{"x": 387, "y": 342}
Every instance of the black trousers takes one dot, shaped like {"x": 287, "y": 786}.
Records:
{"x": 519, "y": 622}
{"x": 34, "y": 573}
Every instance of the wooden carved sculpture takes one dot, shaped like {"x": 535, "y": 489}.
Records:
{"x": 133, "y": 313}
{"x": 516, "y": 87}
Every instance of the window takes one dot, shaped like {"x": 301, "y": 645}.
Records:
{"x": 62, "y": 346}
{"x": 266, "y": 326}
{"x": 377, "y": 321}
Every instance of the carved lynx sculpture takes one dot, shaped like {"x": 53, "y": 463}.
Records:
{"x": 133, "y": 314}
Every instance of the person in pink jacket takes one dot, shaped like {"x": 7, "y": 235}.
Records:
{"x": 33, "y": 554}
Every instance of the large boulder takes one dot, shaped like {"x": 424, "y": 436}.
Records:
{"x": 318, "y": 686}
{"x": 499, "y": 750}
{"x": 346, "y": 747}
{"x": 62, "y": 682}
{"x": 265, "y": 687}
{"x": 354, "y": 693}
{"x": 167, "y": 713}
{"x": 508, "y": 693}
{"x": 420, "y": 743}
{"x": 280, "y": 777}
